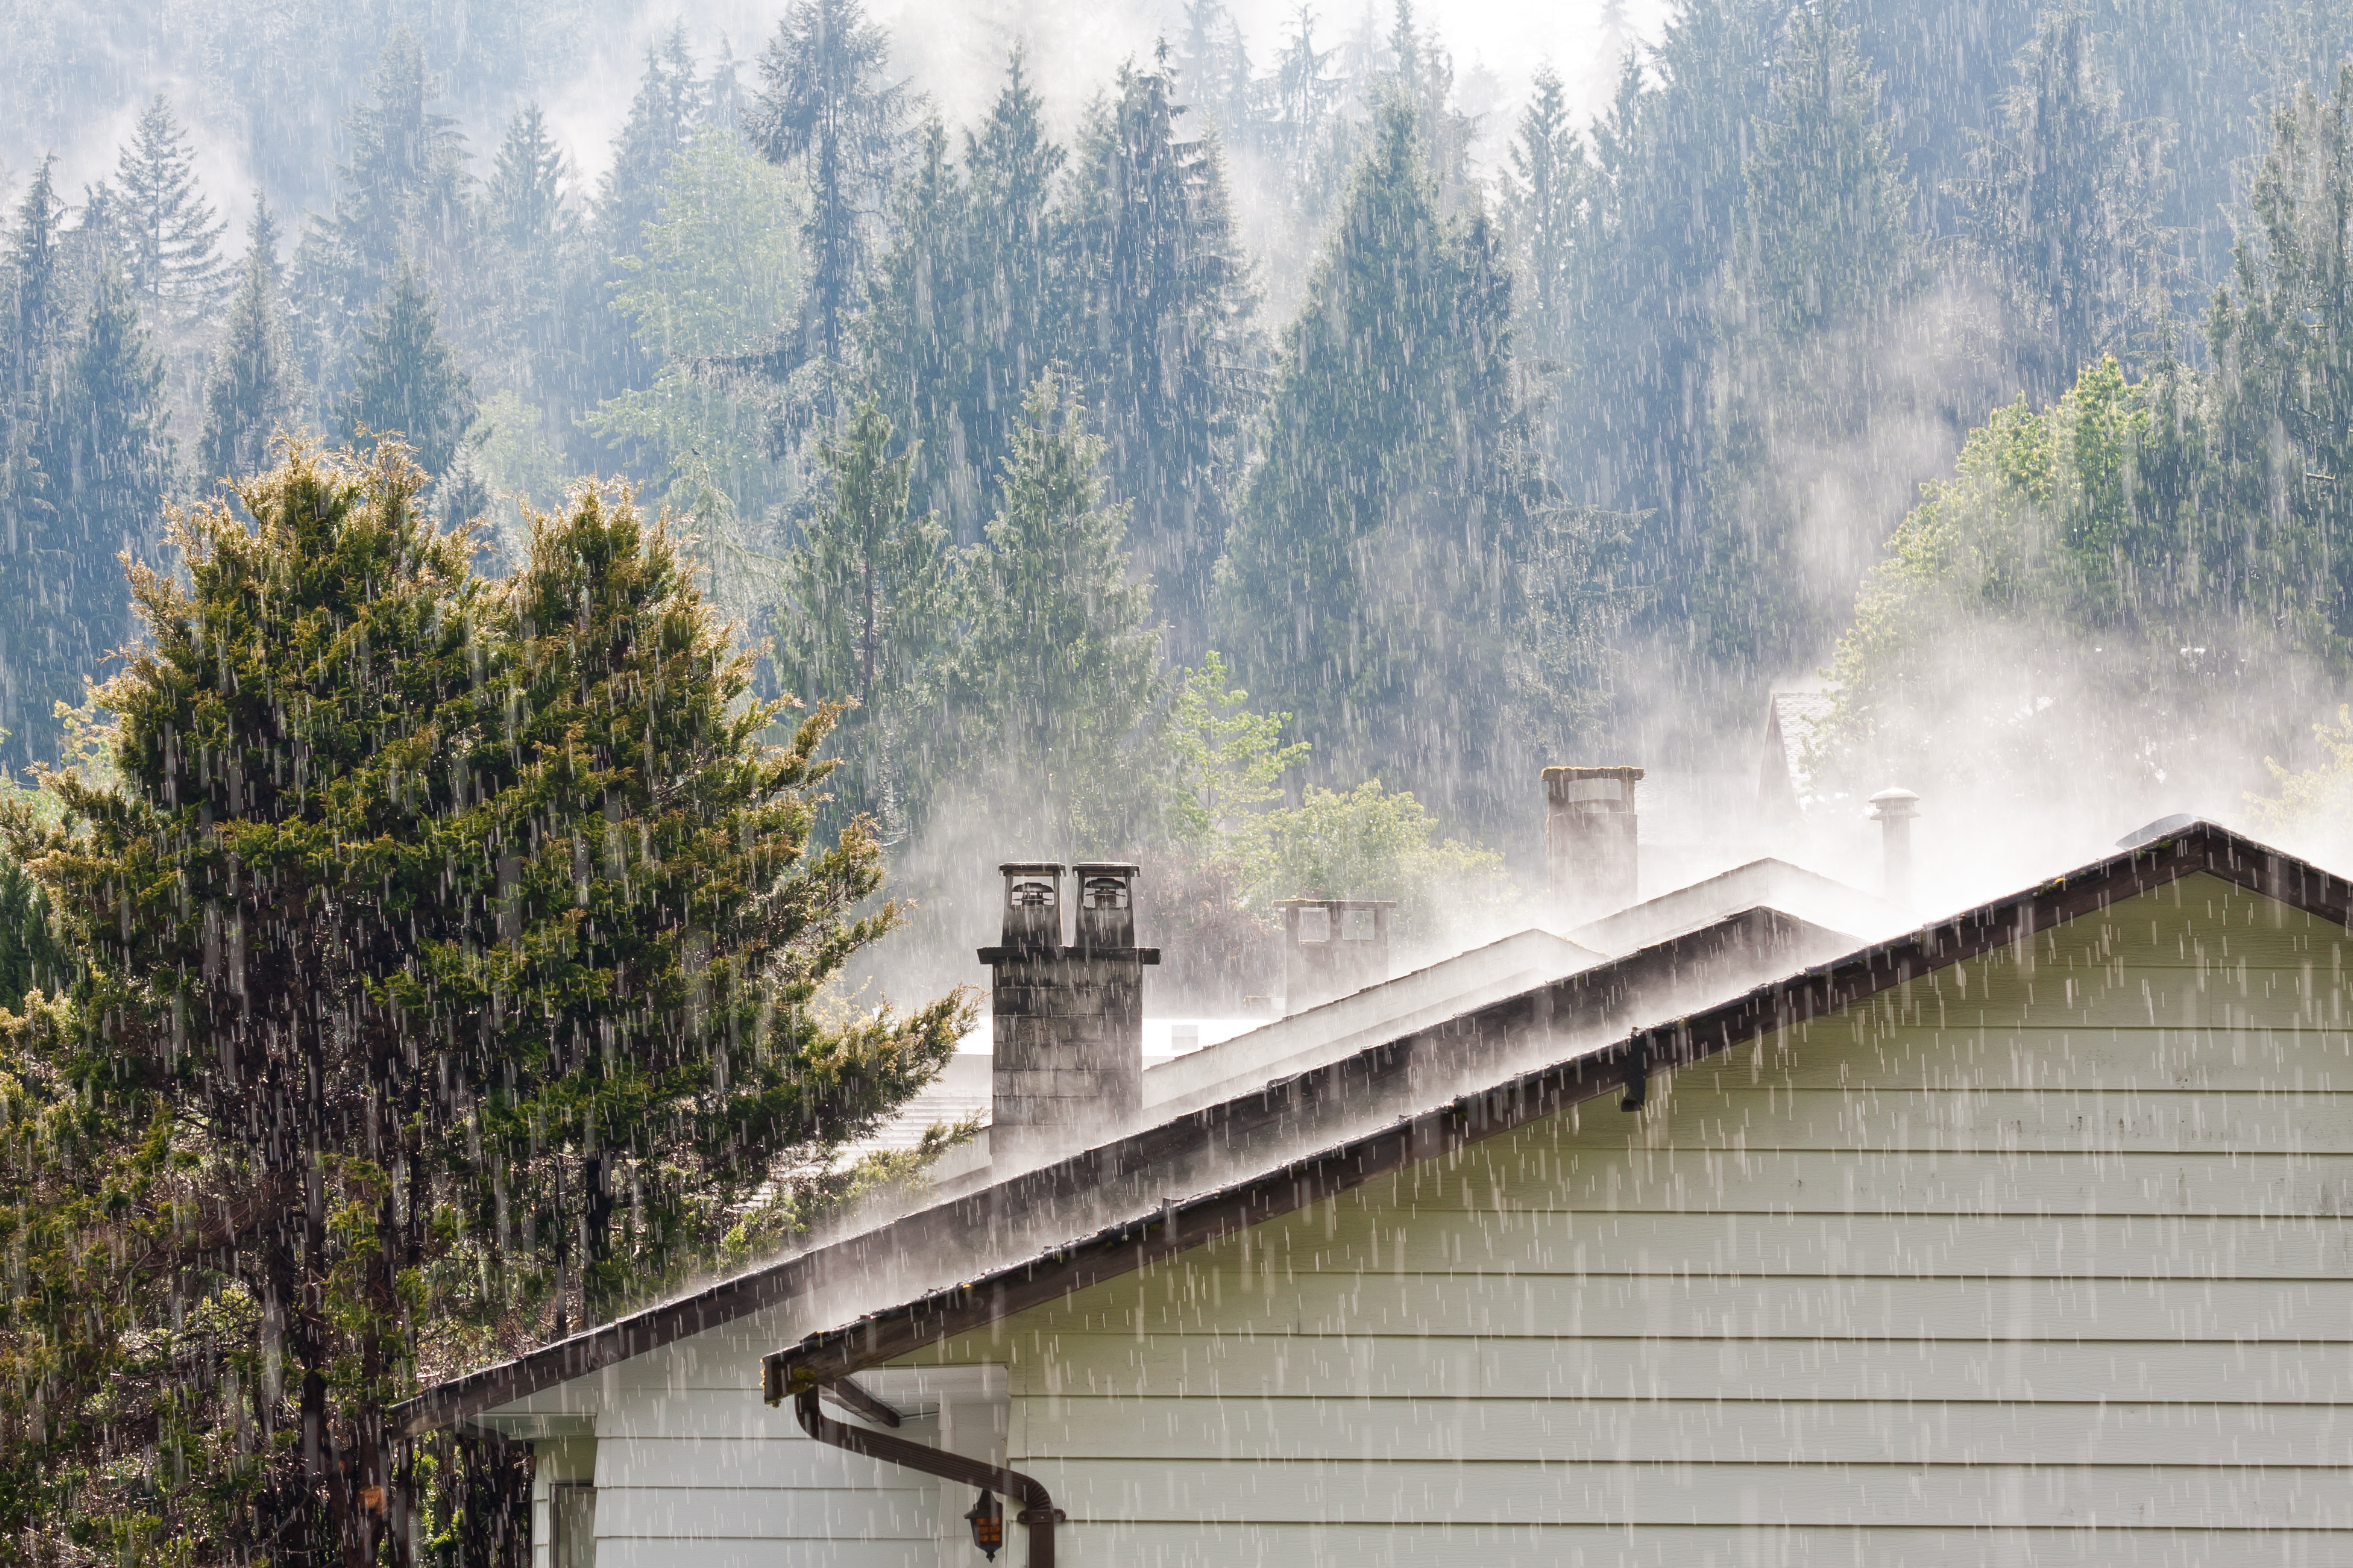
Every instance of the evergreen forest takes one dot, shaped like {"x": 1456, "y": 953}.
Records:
{"x": 500, "y": 625}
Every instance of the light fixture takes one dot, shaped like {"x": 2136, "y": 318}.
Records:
{"x": 988, "y": 1519}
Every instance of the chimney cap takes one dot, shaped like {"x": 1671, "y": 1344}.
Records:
{"x": 1015, "y": 868}
{"x": 1083, "y": 867}
{"x": 1613, "y": 771}
{"x": 1894, "y": 804}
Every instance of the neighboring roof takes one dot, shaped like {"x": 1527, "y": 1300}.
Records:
{"x": 1784, "y": 784}
{"x": 1771, "y": 884}
{"x": 1447, "y": 1124}
{"x": 1323, "y": 1033}
{"x": 1259, "y": 1127}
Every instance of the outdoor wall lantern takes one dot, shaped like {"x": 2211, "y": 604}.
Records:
{"x": 987, "y": 1517}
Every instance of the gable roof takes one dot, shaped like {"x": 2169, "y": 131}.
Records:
{"x": 1285, "y": 1144}
{"x": 1447, "y": 1124}
{"x": 1256, "y": 1127}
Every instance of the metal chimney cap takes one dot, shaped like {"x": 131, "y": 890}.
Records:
{"x": 1015, "y": 868}
{"x": 1894, "y": 804}
{"x": 1083, "y": 867}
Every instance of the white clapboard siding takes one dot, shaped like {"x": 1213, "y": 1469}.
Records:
{"x": 1274, "y": 1546}
{"x": 1653, "y": 1431}
{"x": 1723, "y": 1307}
{"x": 689, "y": 1480}
{"x": 2046, "y": 1257}
{"x": 2171, "y": 1497}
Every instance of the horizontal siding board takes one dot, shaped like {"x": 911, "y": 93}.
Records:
{"x": 1211, "y": 1366}
{"x": 1703, "y": 1431}
{"x": 779, "y": 1464}
{"x": 1946, "y": 1245}
{"x": 2113, "y": 1055}
{"x": 774, "y": 1513}
{"x": 760, "y": 1552}
{"x": 1705, "y": 1306}
{"x": 2043, "y": 1496}
{"x": 1192, "y": 1545}
{"x": 2116, "y": 1184}
{"x": 2057, "y": 1121}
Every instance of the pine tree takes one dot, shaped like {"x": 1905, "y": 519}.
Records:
{"x": 36, "y": 646}
{"x": 1631, "y": 421}
{"x": 825, "y": 103}
{"x": 1161, "y": 299}
{"x": 172, "y": 233}
{"x": 1370, "y": 580}
{"x": 528, "y": 211}
{"x": 1213, "y": 59}
{"x": 1546, "y": 202}
{"x": 1824, "y": 256}
{"x": 539, "y": 277}
{"x": 663, "y": 116}
{"x": 404, "y": 194}
{"x": 967, "y": 312}
{"x": 662, "y": 119}
{"x": 1058, "y": 668}
{"x": 871, "y": 617}
{"x": 406, "y": 381}
{"x": 2062, "y": 208}
{"x": 253, "y": 391}
{"x": 110, "y": 459}
{"x": 561, "y": 958}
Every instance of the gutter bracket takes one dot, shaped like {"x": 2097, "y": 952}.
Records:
{"x": 1638, "y": 1073}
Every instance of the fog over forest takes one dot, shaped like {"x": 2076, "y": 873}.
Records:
{"x": 1483, "y": 392}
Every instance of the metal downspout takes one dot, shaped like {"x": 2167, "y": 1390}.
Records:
{"x": 1037, "y": 1514}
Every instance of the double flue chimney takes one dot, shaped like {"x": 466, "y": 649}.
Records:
{"x": 1067, "y": 1020}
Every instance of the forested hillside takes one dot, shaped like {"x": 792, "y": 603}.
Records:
{"x": 1470, "y": 441}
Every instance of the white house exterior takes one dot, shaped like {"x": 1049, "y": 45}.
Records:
{"x": 2025, "y": 1238}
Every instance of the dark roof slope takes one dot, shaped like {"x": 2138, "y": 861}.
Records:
{"x": 1620, "y": 1066}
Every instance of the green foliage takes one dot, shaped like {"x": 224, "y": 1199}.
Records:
{"x": 718, "y": 268}
{"x": 1160, "y": 302}
{"x": 2029, "y": 622}
{"x": 1225, "y": 767}
{"x": 252, "y": 391}
{"x": 2064, "y": 207}
{"x": 406, "y": 382}
{"x": 449, "y": 949}
{"x": 826, "y": 104}
{"x": 717, "y": 274}
{"x": 1548, "y": 198}
{"x": 1822, "y": 262}
{"x": 2315, "y": 796}
{"x": 871, "y": 591}
{"x": 88, "y": 464}
{"x": 1058, "y": 669}
{"x": 964, "y": 315}
{"x": 173, "y": 258}
{"x": 1372, "y": 573}
{"x": 1368, "y": 843}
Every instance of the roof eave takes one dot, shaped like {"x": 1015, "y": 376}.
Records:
{"x": 2204, "y": 846}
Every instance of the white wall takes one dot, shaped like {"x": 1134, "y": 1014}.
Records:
{"x": 2045, "y": 1258}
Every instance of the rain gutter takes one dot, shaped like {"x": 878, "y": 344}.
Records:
{"x": 1038, "y": 1515}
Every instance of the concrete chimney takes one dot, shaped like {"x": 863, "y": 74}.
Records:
{"x": 1333, "y": 947}
{"x": 1590, "y": 852}
{"x": 1067, "y": 1021}
{"x": 1894, "y": 809}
